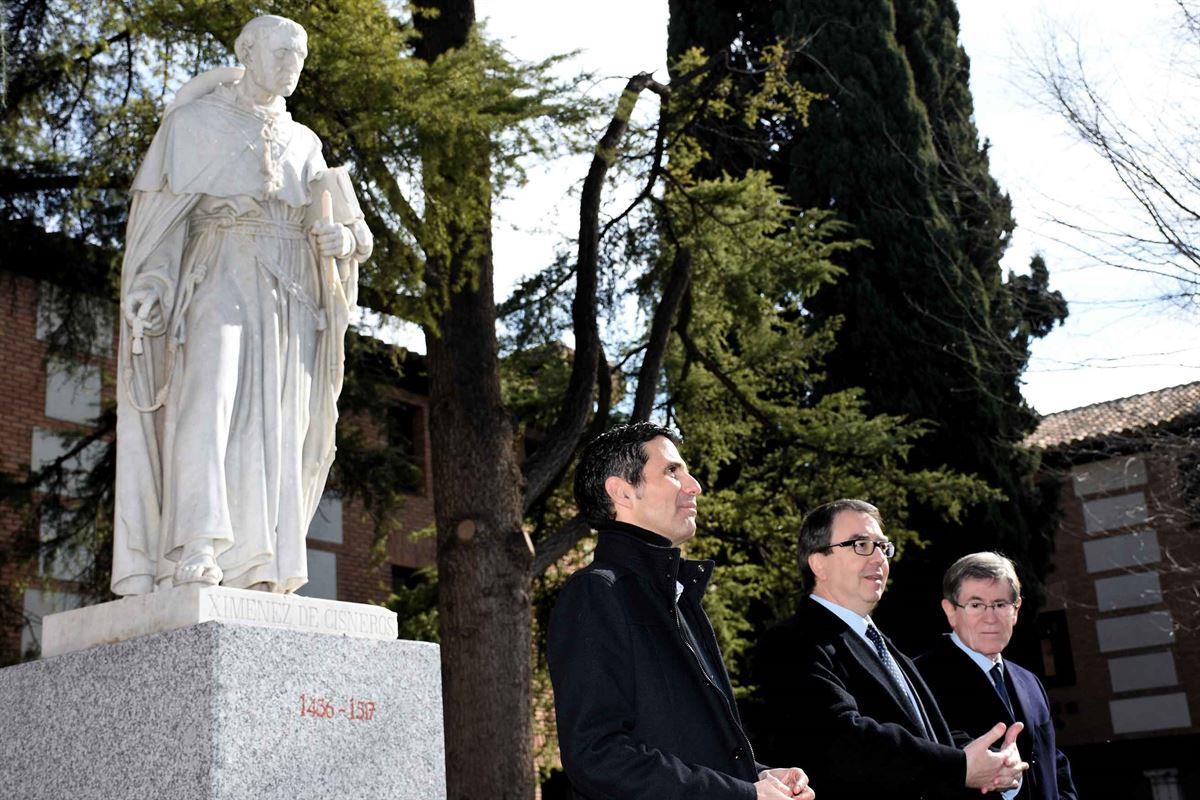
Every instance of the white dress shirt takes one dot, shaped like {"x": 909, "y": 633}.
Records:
{"x": 858, "y": 624}
{"x": 985, "y": 663}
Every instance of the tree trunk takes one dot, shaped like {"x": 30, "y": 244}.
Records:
{"x": 484, "y": 598}
{"x": 484, "y": 588}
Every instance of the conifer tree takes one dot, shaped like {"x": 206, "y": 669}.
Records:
{"x": 927, "y": 325}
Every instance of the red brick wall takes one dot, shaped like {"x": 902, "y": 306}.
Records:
{"x": 1084, "y": 707}
{"x": 360, "y": 579}
{"x": 22, "y": 393}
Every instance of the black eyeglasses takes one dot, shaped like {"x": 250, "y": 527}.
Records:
{"x": 865, "y": 547}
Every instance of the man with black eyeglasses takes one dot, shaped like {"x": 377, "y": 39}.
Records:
{"x": 975, "y": 685}
{"x": 840, "y": 693}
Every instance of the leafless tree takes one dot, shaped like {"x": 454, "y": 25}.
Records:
{"x": 1153, "y": 156}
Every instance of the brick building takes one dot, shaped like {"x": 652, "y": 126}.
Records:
{"x": 1120, "y": 629}
{"x": 44, "y": 397}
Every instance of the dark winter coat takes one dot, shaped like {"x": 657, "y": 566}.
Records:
{"x": 639, "y": 713}
{"x": 829, "y": 707}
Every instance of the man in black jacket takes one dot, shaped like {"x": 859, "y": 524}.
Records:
{"x": 975, "y": 685}
{"x": 644, "y": 705}
{"x": 839, "y": 692}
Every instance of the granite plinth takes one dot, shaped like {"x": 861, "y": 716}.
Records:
{"x": 226, "y": 712}
{"x": 183, "y": 606}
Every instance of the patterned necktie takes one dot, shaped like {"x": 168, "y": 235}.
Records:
{"x": 1002, "y": 690}
{"x": 893, "y": 669}
{"x": 998, "y": 678}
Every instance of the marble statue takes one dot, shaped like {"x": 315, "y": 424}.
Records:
{"x": 240, "y": 270}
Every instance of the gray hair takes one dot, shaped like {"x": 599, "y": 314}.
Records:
{"x": 817, "y": 529}
{"x": 261, "y": 27}
{"x": 982, "y": 567}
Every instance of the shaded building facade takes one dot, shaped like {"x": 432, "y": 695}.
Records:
{"x": 1120, "y": 627}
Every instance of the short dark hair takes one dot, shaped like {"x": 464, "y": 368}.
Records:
{"x": 817, "y": 529}
{"x": 982, "y": 567}
{"x": 618, "y": 451}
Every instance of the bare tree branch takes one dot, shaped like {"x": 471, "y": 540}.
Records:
{"x": 558, "y": 544}
{"x": 556, "y": 450}
{"x": 1151, "y": 157}
{"x": 660, "y": 331}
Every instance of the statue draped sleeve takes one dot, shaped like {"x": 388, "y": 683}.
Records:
{"x": 155, "y": 238}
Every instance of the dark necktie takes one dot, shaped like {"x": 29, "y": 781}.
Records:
{"x": 893, "y": 669}
{"x": 998, "y": 679}
{"x": 1002, "y": 690}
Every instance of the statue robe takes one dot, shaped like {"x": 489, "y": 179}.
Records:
{"x": 225, "y": 421}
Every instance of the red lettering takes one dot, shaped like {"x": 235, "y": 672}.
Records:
{"x": 323, "y": 708}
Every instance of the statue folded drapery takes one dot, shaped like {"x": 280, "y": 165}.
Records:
{"x": 236, "y": 293}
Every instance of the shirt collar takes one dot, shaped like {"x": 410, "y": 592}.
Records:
{"x": 857, "y": 622}
{"x": 982, "y": 661}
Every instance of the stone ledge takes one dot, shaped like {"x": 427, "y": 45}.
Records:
{"x": 183, "y": 606}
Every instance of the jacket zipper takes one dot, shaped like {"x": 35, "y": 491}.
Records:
{"x": 708, "y": 679}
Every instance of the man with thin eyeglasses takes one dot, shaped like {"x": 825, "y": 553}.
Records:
{"x": 974, "y": 684}
{"x": 843, "y": 695}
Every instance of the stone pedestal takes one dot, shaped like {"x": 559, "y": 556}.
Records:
{"x": 219, "y": 711}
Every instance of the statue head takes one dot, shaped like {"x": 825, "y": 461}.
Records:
{"x": 273, "y": 50}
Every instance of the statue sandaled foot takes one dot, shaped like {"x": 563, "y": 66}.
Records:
{"x": 198, "y": 568}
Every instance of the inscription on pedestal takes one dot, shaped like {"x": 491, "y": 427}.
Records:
{"x": 183, "y": 606}
{"x": 324, "y": 708}
{"x": 299, "y": 614}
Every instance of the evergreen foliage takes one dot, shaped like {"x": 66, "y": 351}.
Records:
{"x": 929, "y": 328}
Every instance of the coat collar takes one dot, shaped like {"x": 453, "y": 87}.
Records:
{"x": 868, "y": 659}
{"x": 652, "y": 557}
{"x": 970, "y": 673}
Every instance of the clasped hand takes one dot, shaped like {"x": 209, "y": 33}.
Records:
{"x": 787, "y": 783}
{"x": 991, "y": 770}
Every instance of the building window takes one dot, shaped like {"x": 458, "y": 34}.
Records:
{"x": 1164, "y": 784}
{"x": 1058, "y": 664}
{"x": 322, "y": 575}
{"x": 38, "y": 604}
{"x": 49, "y": 446}
{"x": 406, "y": 434}
{"x": 72, "y": 391}
{"x": 404, "y": 578}
{"x": 88, "y": 328}
{"x": 327, "y": 522}
{"x": 69, "y": 561}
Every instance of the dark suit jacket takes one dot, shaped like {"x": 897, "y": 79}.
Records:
{"x": 643, "y": 713}
{"x": 972, "y": 705}
{"x": 829, "y": 707}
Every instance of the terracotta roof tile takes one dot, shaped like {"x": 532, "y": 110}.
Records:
{"x": 1126, "y": 414}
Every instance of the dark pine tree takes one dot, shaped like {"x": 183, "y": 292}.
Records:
{"x": 930, "y": 328}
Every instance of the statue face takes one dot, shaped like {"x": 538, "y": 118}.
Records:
{"x": 276, "y": 61}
